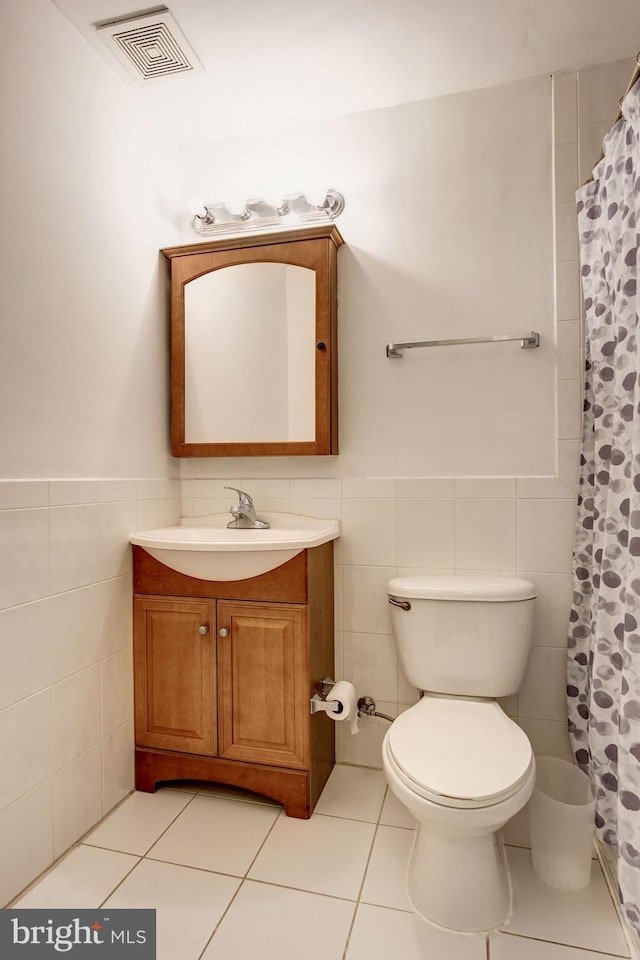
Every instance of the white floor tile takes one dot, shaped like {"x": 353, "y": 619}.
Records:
{"x": 382, "y": 934}
{"x": 226, "y": 792}
{"x": 220, "y": 835}
{"x": 189, "y": 904}
{"x": 82, "y": 880}
{"x": 322, "y": 855}
{"x": 183, "y": 786}
{"x": 386, "y": 874}
{"x": 582, "y": 918}
{"x": 328, "y": 855}
{"x": 274, "y": 923}
{"x": 139, "y": 821}
{"x": 353, "y": 792}
{"x": 506, "y": 947}
{"x": 394, "y": 813}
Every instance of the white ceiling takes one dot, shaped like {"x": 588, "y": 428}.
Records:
{"x": 275, "y": 63}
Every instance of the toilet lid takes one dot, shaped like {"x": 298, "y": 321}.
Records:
{"x": 460, "y": 752}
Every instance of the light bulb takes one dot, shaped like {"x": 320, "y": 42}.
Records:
{"x": 317, "y": 196}
{"x": 236, "y": 206}
{"x": 274, "y": 201}
{"x": 196, "y": 207}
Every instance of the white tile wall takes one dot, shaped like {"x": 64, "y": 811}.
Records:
{"x": 567, "y": 290}
{"x": 566, "y": 233}
{"x": 414, "y": 526}
{"x": 542, "y": 693}
{"x": 73, "y": 546}
{"x": 485, "y": 535}
{"x": 545, "y": 535}
{"x": 369, "y": 528}
{"x": 66, "y": 702}
{"x": 25, "y": 651}
{"x": 26, "y": 838}
{"x": 426, "y": 533}
{"x": 76, "y": 723}
{"x": 369, "y": 661}
{"x": 117, "y": 765}
{"x": 25, "y": 745}
{"x": 77, "y": 798}
{"x": 74, "y": 631}
{"x": 24, "y": 555}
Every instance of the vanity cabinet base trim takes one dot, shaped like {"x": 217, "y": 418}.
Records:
{"x": 292, "y": 788}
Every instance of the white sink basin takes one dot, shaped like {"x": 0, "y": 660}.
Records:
{"x": 205, "y": 548}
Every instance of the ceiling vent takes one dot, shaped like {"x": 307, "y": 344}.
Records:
{"x": 149, "y": 44}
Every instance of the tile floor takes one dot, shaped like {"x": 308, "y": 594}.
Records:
{"x": 232, "y": 878}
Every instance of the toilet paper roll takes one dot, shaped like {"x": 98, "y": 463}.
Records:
{"x": 344, "y": 694}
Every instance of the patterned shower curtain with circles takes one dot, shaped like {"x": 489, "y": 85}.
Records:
{"x": 604, "y": 636}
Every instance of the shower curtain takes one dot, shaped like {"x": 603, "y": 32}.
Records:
{"x": 604, "y": 636}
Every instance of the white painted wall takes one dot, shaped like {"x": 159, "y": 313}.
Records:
{"x": 448, "y": 230}
{"x": 86, "y": 198}
{"x": 86, "y": 203}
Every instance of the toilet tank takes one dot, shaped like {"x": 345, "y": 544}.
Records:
{"x": 465, "y": 636}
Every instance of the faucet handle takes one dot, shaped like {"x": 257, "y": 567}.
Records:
{"x": 245, "y": 500}
{"x": 244, "y": 513}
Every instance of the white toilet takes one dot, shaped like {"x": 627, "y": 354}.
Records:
{"x": 458, "y": 763}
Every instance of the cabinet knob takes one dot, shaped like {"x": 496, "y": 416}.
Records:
{"x": 223, "y": 632}
{"x": 203, "y": 630}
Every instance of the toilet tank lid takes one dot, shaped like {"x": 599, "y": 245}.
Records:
{"x": 491, "y": 589}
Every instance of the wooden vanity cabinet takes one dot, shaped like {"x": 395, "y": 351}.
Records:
{"x": 223, "y": 673}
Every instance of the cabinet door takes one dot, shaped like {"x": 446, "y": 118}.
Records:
{"x": 175, "y": 691}
{"x": 263, "y": 690}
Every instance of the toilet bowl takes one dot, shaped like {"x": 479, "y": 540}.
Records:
{"x": 462, "y": 768}
{"x": 456, "y": 761}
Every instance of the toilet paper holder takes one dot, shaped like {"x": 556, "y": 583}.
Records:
{"x": 320, "y": 701}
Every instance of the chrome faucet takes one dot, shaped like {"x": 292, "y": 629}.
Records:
{"x": 244, "y": 513}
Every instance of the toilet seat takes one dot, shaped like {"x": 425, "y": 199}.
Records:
{"x": 459, "y": 753}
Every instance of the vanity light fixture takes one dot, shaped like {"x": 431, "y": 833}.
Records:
{"x": 263, "y": 215}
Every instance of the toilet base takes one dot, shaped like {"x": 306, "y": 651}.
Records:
{"x": 459, "y": 883}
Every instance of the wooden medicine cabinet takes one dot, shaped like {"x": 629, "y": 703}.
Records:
{"x": 254, "y": 345}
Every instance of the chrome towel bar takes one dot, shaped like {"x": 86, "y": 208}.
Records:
{"x": 395, "y": 350}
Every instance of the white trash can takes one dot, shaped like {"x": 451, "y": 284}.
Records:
{"x": 561, "y": 816}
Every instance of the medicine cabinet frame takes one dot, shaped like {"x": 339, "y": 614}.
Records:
{"x": 312, "y": 247}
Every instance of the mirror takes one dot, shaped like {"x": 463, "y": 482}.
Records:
{"x": 254, "y": 345}
{"x": 250, "y": 338}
